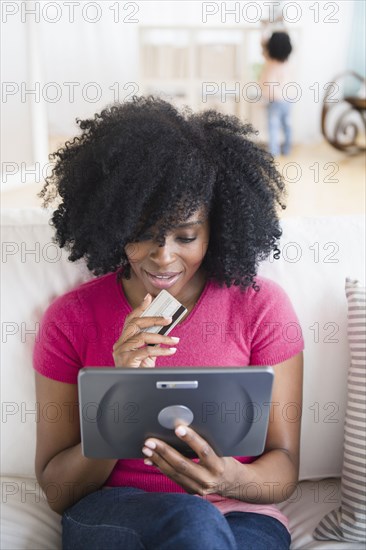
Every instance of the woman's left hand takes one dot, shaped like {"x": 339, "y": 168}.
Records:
{"x": 212, "y": 474}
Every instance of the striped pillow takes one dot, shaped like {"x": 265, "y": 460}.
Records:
{"x": 348, "y": 522}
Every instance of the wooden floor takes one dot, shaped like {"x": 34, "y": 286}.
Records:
{"x": 321, "y": 181}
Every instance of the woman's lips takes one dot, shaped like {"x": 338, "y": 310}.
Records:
{"x": 162, "y": 283}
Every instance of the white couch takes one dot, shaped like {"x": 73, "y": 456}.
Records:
{"x": 319, "y": 253}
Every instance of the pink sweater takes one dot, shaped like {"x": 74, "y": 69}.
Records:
{"x": 227, "y": 327}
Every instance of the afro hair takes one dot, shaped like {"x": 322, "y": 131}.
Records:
{"x": 144, "y": 163}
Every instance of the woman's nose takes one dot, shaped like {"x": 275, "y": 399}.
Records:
{"x": 162, "y": 250}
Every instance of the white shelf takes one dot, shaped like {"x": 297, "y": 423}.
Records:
{"x": 180, "y": 62}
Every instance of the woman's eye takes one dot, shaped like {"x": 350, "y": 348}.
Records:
{"x": 150, "y": 236}
{"x": 186, "y": 240}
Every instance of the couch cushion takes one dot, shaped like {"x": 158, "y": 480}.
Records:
{"x": 318, "y": 253}
{"x": 27, "y": 522}
{"x": 310, "y": 501}
{"x": 34, "y": 272}
{"x": 317, "y": 256}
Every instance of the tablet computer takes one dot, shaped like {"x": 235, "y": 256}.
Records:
{"x": 121, "y": 407}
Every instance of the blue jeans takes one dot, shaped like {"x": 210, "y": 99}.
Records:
{"x": 126, "y": 518}
{"x": 279, "y": 119}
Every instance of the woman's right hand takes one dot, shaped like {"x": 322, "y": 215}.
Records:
{"x": 129, "y": 350}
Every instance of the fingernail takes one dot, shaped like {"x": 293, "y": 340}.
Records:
{"x": 150, "y": 444}
{"x": 148, "y": 462}
{"x": 181, "y": 431}
{"x": 170, "y": 319}
{"x": 173, "y": 350}
{"x": 175, "y": 338}
{"x": 147, "y": 295}
{"x": 147, "y": 452}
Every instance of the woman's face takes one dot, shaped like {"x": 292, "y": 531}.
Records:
{"x": 173, "y": 265}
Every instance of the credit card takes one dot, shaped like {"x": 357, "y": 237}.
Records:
{"x": 164, "y": 305}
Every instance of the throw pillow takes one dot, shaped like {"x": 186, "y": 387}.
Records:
{"x": 348, "y": 522}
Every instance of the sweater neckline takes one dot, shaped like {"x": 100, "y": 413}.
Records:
{"x": 179, "y": 325}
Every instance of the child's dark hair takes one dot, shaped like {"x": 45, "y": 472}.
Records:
{"x": 143, "y": 163}
{"x": 279, "y": 46}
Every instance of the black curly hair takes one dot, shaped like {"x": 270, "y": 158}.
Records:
{"x": 279, "y": 46}
{"x": 143, "y": 163}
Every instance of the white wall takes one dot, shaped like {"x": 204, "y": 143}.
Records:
{"x": 16, "y": 137}
{"x": 106, "y": 52}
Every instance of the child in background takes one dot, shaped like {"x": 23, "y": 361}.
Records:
{"x": 274, "y": 76}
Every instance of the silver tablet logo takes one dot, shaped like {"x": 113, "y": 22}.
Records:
{"x": 175, "y": 415}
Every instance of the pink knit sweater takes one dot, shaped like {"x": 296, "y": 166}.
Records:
{"x": 227, "y": 327}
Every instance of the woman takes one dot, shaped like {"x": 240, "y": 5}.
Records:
{"x": 153, "y": 198}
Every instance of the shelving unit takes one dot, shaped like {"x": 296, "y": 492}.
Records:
{"x": 205, "y": 68}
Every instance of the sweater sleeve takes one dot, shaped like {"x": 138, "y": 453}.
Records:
{"x": 276, "y": 333}
{"x": 55, "y": 353}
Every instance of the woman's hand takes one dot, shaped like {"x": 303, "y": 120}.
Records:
{"x": 273, "y": 475}
{"x": 213, "y": 474}
{"x": 131, "y": 348}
